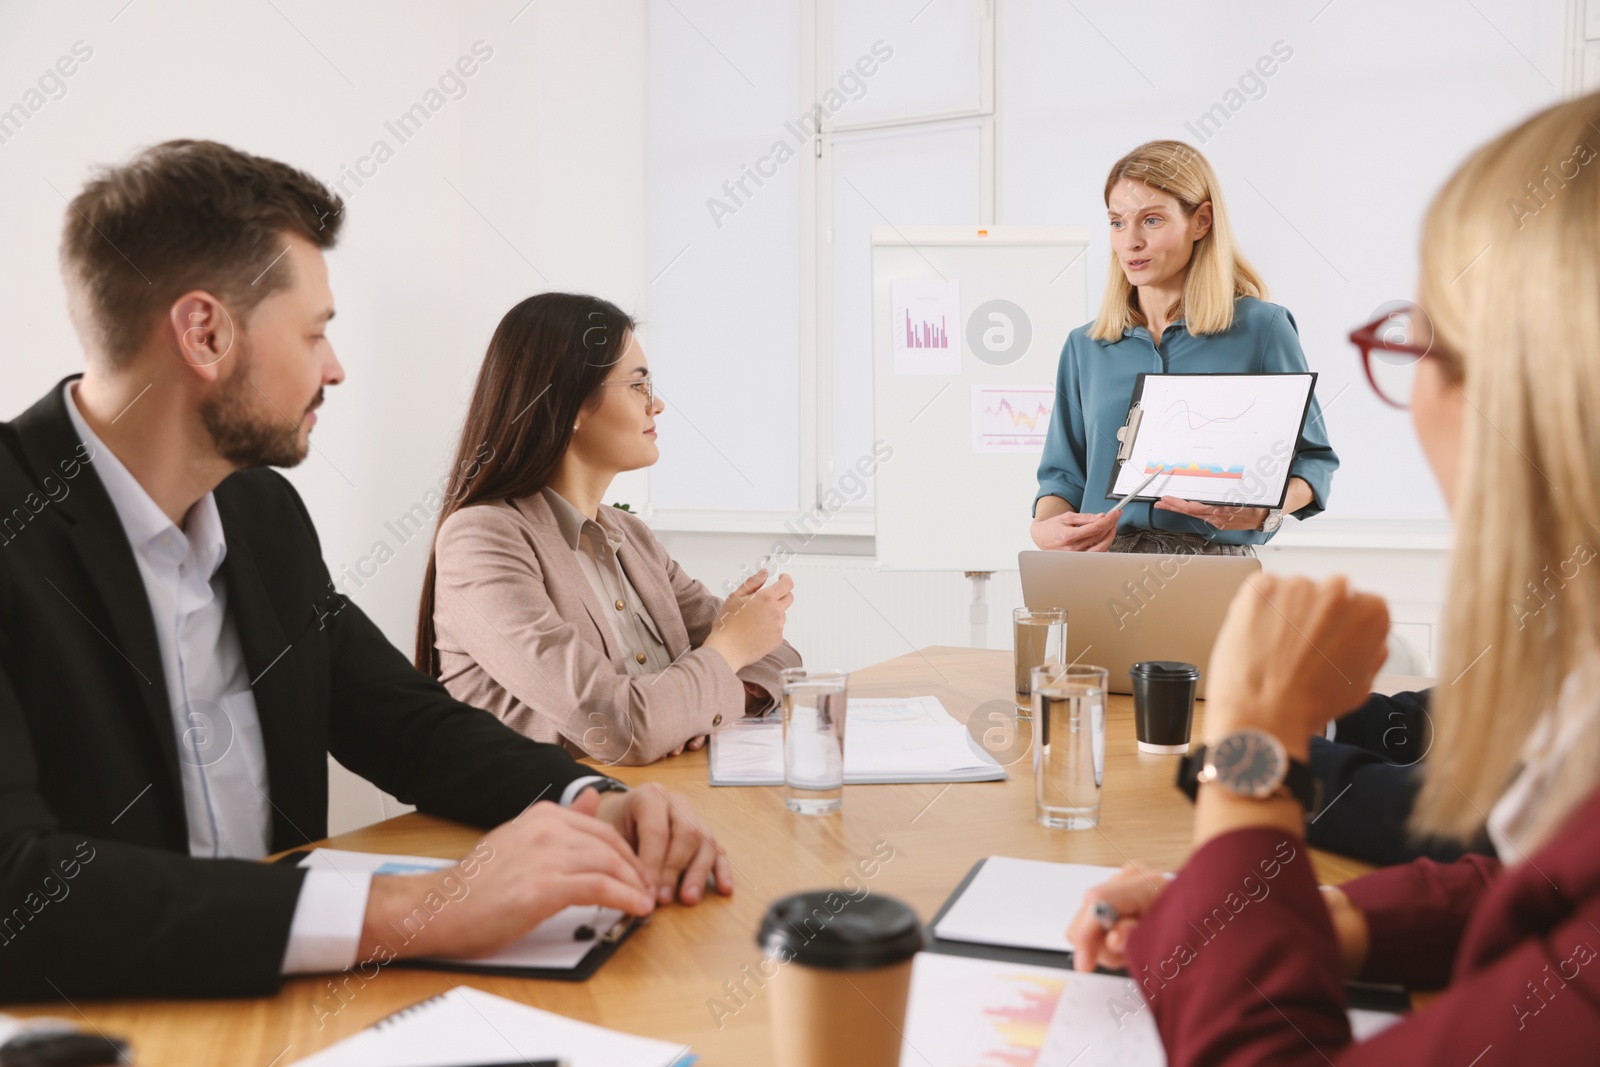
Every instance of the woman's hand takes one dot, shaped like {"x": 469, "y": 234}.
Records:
{"x": 1222, "y": 516}
{"x": 1131, "y": 892}
{"x": 750, "y": 623}
{"x": 1292, "y": 655}
{"x": 1073, "y": 531}
{"x": 694, "y": 744}
{"x": 1350, "y": 927}
{"x": 1225, "y": 517}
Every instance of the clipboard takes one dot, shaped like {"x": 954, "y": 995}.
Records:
{"x": 603, "y": 947}
{"x": 1228, "y": 449}
{"x": 1368, "y": 995}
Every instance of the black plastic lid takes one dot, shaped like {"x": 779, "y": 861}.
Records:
{"x": 825, "y": 928}
{"x": 1164, "y": 669}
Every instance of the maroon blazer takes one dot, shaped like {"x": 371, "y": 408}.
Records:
{"x": 1239, "y": 964}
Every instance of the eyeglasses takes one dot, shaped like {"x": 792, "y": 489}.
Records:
{"x": 1392, "y": 346}
{"x": 645, "y": 387}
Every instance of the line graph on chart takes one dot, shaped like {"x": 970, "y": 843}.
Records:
{"x": 1217, "y": 437}
{"x": 1180, "y": 409}
{"x": 1012, "y": 418}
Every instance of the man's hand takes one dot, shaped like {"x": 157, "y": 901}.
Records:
{"x": 1073, "y": 531}
{"x": 676, "y": 852}
{"x": 519, "y": 875}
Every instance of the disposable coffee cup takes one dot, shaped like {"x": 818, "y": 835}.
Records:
{"x": 1163, "y": 704}
{"x": 843, "y": 974}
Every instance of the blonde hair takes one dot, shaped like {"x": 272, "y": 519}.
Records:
{"x": 1511, "y": 295}
{"x": 1218, "y": 274}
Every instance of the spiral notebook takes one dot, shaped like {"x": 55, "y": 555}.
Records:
{"x": 469, "y": 1026}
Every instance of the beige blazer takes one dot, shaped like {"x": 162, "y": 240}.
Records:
{"x": 520, "y": 632}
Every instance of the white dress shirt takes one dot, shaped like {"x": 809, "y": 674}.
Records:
{"x": 221, "y": 759}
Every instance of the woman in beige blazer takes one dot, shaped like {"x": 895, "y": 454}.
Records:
{"x": 562, "y": 615}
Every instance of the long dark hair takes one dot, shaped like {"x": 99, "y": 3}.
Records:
{"x": 545, "y": 362}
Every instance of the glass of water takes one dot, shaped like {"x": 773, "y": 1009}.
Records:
{"x": 1069, "y": 748}
{"x": 813, "y": 739}
{"x": 1037, "y": 638}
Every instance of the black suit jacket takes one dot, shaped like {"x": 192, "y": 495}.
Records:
{"x": 1370, "y": 776}
{"x": 98, "y": 895}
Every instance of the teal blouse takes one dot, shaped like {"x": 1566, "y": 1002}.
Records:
{"x": 1094, "y": 386}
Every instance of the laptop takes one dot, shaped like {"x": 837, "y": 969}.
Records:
{"x": 1124, "y": 607}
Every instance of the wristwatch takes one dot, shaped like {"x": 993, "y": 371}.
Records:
{"x": 1273, "y": 520}
{"x": 1250, "y": 763}
{"x": 606, "y": 785}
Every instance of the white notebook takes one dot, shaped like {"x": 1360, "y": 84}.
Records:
{"x": 886, "y": 740}
{"x": 469, "y": 1026}
{"x": 1020, "y": 903}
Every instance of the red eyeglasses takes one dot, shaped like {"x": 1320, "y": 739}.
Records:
{"x": 1392, "y": 346}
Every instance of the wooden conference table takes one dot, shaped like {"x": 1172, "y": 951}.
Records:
{"x": 661, "y": 981}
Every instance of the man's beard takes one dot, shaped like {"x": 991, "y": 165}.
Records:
{"x": 248, "y": 430}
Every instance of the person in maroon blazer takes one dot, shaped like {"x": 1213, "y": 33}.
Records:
{"x": 1241, "y": 958}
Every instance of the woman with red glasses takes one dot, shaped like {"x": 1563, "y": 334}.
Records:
{"x": 1180, "y": 299}
{"x": 1501, "y": 374}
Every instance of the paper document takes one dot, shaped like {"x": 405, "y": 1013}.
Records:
{"x": 1011, "y": 418}
{"x": 469, "y": 1026}
{"x": 1020, "y": 903}
{"x": 927, "y": 326}
{"x": 986, "y": 1013}
{"x": 886, "y": 740}
{"x": 550, "y": 944}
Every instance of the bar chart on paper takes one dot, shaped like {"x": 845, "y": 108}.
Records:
{"x": 1012, "y": 418}
{"x": 925, "y": 313}
{"x": 1219, "y": 438}
{"x": 926, "y": 334}
{"x": 978, "y": 1013}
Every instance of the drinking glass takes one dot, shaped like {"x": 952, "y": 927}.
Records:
{"x": 1069, "y": 747}
{"x": 1037, "y": 638}
{"x": 813, "y": 739}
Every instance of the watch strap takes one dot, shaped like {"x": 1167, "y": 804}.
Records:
{"x": 1299, "y": 779}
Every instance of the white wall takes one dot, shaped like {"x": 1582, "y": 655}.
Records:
{"x": 531, "y": 180}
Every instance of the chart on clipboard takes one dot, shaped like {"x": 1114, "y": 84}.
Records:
{"x": 1213, "y": 438}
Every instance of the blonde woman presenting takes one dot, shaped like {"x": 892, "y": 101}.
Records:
{"x": 1180, "y": 299}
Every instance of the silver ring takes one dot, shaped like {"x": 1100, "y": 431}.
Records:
{"x": 1105, "y": 915}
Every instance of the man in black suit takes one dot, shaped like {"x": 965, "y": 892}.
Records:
{"x": 1370, "y": 773}
{"x": 175, "y": 664}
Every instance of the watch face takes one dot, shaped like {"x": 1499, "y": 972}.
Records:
{"x": 1249, "y": 762}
